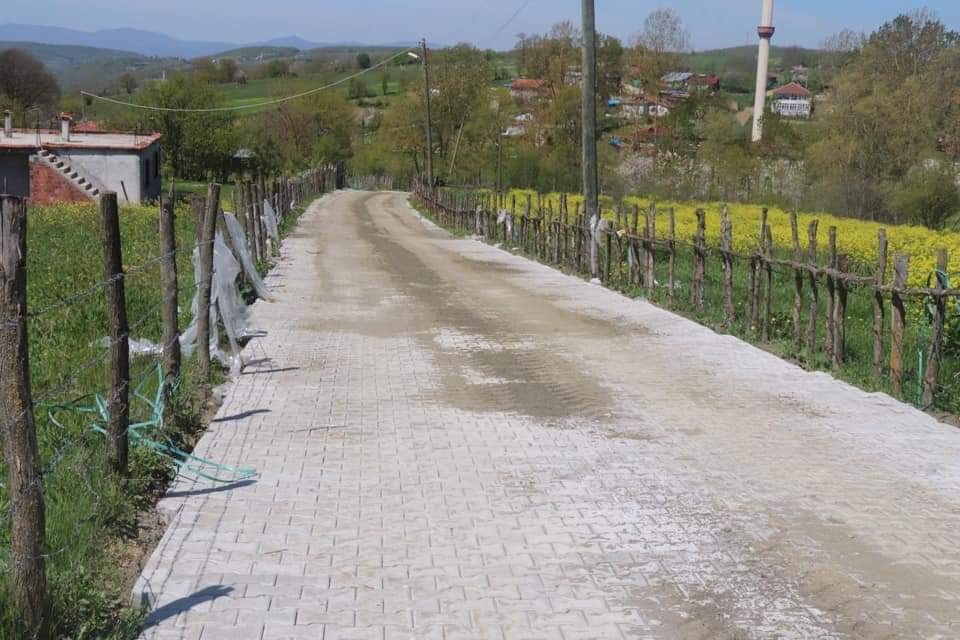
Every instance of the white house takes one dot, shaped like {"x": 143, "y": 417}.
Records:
{"x": 792, "y": 101}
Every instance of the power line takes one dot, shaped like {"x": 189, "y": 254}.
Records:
{"x": 511, "y": 19}
{"x": 243, "y": 107}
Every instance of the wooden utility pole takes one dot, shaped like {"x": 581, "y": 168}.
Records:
{"x": 206, "y": 280}
{"x": 429, "y": 123}
{"x": 119, "y": 401}
{"x": 19, "y": 435}
{"x": 169, "y": 293}
{"x": 589, "y": 115}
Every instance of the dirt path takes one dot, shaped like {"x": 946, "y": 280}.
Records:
{"x": 456, "y": 442}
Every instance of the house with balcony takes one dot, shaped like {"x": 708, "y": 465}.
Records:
{"x": 792, "y": 100}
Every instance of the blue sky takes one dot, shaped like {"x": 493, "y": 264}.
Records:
{"x": 712, "y": 23}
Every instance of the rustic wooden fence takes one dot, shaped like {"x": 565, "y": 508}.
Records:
{"x": 637, "y": 255}
{"x": 28, "y": 553}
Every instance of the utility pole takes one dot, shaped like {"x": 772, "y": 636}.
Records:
{"x": 429, "y": 123}
{"x": 499, "y": 155}
{"x": 590, "y": 177}
{"x": 765, "y": 31}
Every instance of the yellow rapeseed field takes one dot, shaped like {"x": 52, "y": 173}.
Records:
{"x": 856, "y": 238}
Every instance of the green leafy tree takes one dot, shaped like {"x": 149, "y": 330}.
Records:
{"x": 307, "y": 132}
{"x": 363, "y": 60}
{"x": 927, "y": 195}
{"x": 195, "y": 146}
{"x": 891, "y": 107}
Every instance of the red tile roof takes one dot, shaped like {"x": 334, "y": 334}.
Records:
{"x": 792, "y": 89}
{"x": 526, "y": 84}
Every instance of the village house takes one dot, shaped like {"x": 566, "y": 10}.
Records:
{"x": 526, "y": 90}
{"x": 50, "y": 166}
{"x": 792, "y": 100}
{"x": 680, "y": 84}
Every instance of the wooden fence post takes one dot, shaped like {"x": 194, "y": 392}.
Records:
{"x": 699, "y": 267}
{"x": 831, "y": 292}
{"x": 726, "y": 247}
{"x": 797, "y": 283}
{"x": 768, "y": 281}
{"x": 650, "y": 279}
{"x": 814, "y": 293}
{"x": 169, "y": 312}
{"x": 672, "y": 263}
{"x": 119, "y": 399}
{"x": 939, "y": 308}
{"x": 879, "y": 321}
{"x": 898, "y": 323}
{"x": 840, "y": 314}
{"x": 206, "y": 280}
{"x": 28, "y": 546}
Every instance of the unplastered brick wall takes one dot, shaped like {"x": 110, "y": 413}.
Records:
{"x": 47, "y": 186}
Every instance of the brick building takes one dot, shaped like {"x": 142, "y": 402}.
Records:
{"x": 77, "y": 166}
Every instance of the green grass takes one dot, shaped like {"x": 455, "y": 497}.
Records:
{"x": 88, "y": 508}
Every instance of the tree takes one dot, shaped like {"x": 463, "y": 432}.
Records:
{"x": 363, "y": 60}
{"x": 385, "y": 82}
{"x": 927, "y": 195}
{"x": 195, "y": 145}
{"x": 128, "y": 82}
{"x": 227, "y": 70}
{"x": 203, "y": 69}
{"x": 306, "y": 132}
{"x": 25, "y": 83}
{"x": 891, "y": 106}
{"x": 657, "y": 48}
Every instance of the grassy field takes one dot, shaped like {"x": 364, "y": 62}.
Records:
{"x": 855, "y": 236}
{"x": 91, "y": 514}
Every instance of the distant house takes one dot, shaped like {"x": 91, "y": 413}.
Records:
{"x": 525, "y": 90}
{"x": 680, "y": 84}
{"x": 50, "y": 166}
{"x": 792, "y": 100}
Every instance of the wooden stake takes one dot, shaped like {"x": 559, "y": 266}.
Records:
{"x": 119, "y": 398}
{"x": 206, "y": 280}
{"x": 814, "y": 294}
{"x": 726, "y": 247}
{"x": 831, "y": 291}
{"x": 879, "y": 308}
{"x": 797, "y": 284}
{"x": 672, "y": 264}
{"x": 838, "y": 352}
{"x": 898, "y": 323}
{"x": 939, "y": 308}
{"x": 768, "y": 282}
{"x": 27, "y": 556}
{"x": 169, "y": 311}
{"x": 699, "y": 267}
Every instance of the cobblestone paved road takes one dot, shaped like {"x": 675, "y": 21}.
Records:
{"x": 454, "y": 442}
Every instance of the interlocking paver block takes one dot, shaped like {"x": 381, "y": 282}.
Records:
{"x": 455, "y": 442}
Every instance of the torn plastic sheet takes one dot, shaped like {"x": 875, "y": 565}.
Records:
{"x": 235, "y": 229}
{"x": 226, "y": 307}
{"x": 270, "y": 220}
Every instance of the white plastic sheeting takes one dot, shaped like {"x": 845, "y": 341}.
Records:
{"x": 270, "y": 220}
{"x": 239, "y": 238}
{"x": 225, "y": 304}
